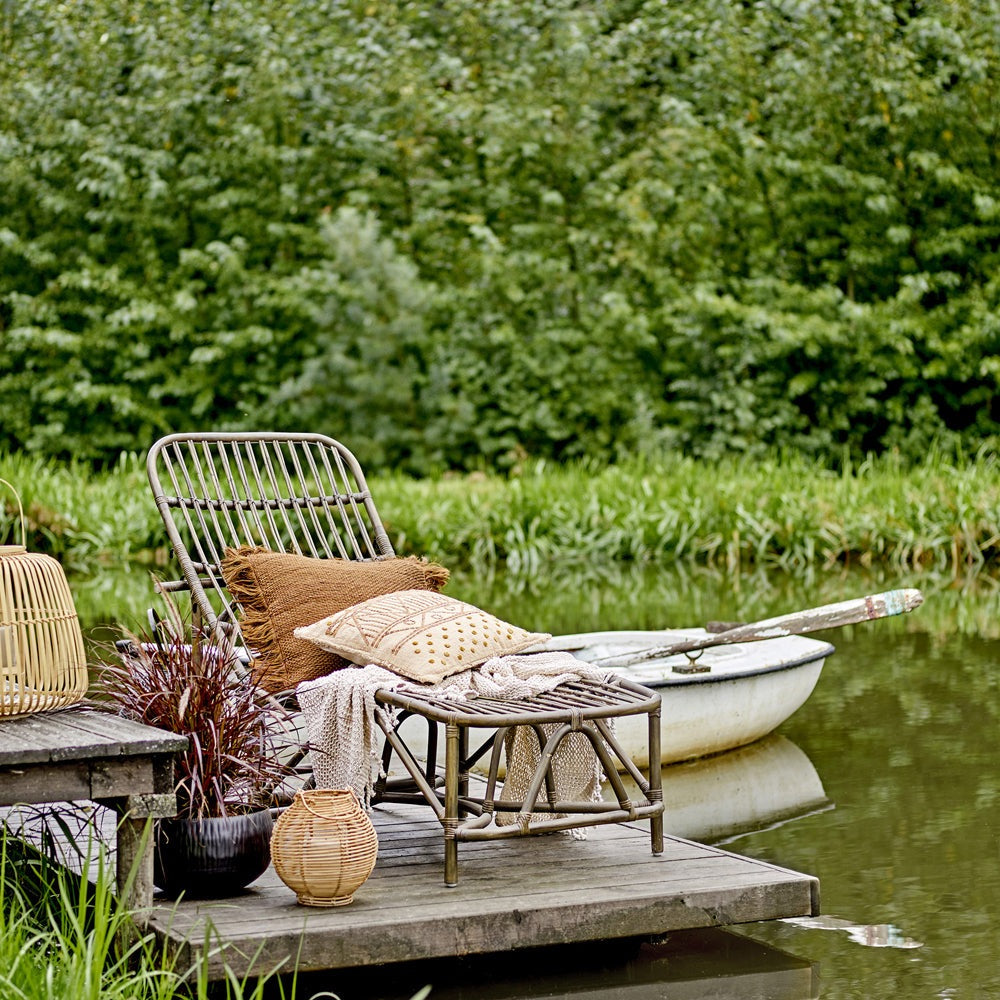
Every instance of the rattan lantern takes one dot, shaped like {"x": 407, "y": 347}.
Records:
{"x": 324, "y": 846}
{"x": 42, "y": 660}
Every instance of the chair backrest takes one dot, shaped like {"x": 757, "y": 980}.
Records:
{"x": 299, "y": 493}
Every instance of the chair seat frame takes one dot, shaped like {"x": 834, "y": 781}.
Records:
{"x": 306, "y": 493}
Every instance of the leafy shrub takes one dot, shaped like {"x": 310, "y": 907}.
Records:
{"x": 458, "y": 234}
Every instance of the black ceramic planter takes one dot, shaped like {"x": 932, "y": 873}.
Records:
{"x": 217, "y": 856}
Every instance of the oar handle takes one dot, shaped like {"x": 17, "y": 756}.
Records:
{"x": 860, "y": 609}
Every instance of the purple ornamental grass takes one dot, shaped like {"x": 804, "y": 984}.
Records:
{"x": 200, "y": 690}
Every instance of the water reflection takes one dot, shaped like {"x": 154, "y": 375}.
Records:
{"x": 718, "y": 799}
{"x": 590, "y": 597}
{"x": 903, "y": 729}
{"x": 689, "y": 965}
{"x": 870, "y": 935}
{"x": 586, "y": 598}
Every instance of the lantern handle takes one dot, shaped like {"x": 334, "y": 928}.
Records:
{"x": 20, "y": 511}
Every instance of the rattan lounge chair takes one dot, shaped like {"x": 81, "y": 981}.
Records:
{"x": 306, "y": 494}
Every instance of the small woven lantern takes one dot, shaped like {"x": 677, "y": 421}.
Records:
{"x": 42, "y": 660}
{"x": 324, "y": 846}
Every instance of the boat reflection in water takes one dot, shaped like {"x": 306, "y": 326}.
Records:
{"x": 715, "y": 799}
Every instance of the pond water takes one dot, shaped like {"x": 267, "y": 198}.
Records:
{"x": 902, "y": 731}
{"x": 889, "y": 794}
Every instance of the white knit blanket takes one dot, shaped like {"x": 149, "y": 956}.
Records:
{"x": 340, "y": 710}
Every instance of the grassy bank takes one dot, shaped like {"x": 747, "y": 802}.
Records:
{"x": 781, "y": 513}
{"x": 60, "y": 937}
{"x": 784, "y": 514}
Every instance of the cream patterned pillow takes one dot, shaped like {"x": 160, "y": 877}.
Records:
{"x": 418, "y": 633}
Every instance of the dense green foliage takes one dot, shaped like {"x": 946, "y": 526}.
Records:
{"x": 783, "y": 513}
{"x": 457, "y": 234}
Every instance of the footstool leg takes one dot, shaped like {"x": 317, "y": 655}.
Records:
{"x": 655, "y": 780}
{"x": 452, "y": 765}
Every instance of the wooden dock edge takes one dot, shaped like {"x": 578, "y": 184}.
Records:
{"x": 513, "y": 895}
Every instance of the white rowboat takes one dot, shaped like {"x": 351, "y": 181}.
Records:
{"x": 724, "y": 689}
{"x": 741, "y": 692}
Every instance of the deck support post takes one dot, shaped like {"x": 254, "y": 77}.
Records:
{"x": 134, "y": 846}
{"x": 134, "y": 857}
{"x": 134, "y": 863}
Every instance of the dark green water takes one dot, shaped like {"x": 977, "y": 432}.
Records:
{"x": 901, "y": 732}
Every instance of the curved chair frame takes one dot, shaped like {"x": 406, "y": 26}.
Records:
{"x": 306, "y": 493}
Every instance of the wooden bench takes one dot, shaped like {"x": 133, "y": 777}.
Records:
{"x": 86, "y": 753}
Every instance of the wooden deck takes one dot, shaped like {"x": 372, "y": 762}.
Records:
{"x": 83, "y": 753}
{"x": 513, "y": 894}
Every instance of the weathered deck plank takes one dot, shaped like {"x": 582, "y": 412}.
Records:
{"x": 511, "y": 894}
{"x": 78, "y": 733}
{"x": 81, "y": 752}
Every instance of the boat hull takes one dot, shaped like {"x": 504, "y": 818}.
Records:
{"x": 699, "y": 720}
{"x": 747, "y": 691}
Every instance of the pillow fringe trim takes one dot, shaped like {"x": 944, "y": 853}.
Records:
{"x": 256, "y": 623}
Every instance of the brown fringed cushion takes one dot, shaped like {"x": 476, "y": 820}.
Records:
{"x": 279, "y": 592}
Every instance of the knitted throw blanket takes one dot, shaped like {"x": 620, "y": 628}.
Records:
{"x": 341, "y": 718}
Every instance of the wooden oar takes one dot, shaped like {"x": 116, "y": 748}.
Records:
{"x": 860, "y": 609}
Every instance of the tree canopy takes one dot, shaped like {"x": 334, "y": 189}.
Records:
{"x": 455, "y": 234}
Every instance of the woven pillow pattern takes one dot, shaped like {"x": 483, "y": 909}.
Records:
{"x": 421, "y": 635}
{"x": 278, "y": 592}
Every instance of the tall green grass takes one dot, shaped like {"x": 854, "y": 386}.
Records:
{"x": 66, "y": 937}
{"x": 785, "y": 513}
{"x": 59, "y": 937}
{"x": 85, "y": 519}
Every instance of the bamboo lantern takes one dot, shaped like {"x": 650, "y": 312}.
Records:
{"x": 324, "y": 846}
{"x": 42, "y": 660}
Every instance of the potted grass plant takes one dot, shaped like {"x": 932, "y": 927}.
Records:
{"x": 172, "y": 677}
